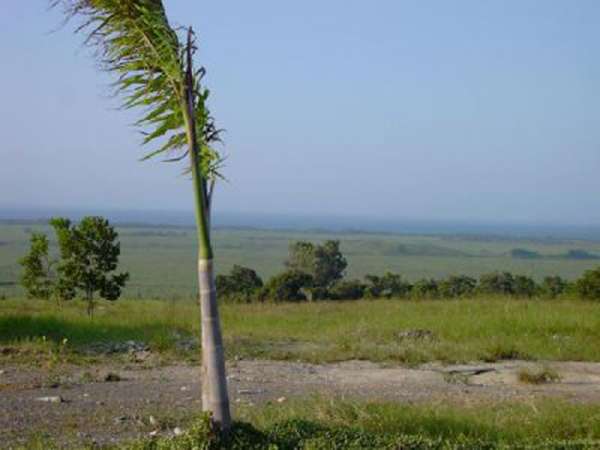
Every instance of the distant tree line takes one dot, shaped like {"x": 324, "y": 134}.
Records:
{"x": 523, "y": 253}
{"x": 316, "y": 272}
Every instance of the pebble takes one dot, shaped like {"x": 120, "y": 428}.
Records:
{"x": 250, "y": 391}
{"x": 152, "y": 420}
{"x": 184, "y": 388}
{"x": 281, "y": 399}
{"x": 51, "y": 399}
{"x": 177, "y": 431}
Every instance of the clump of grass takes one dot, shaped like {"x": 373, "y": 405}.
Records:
{"x": 504, "y": 351}
{"x": 541, "y": 375}
{"x": 329, "y": 424}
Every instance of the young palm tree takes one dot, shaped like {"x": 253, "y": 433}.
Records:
{"x": 134, "y": 40}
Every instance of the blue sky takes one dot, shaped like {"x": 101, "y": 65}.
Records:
{"x": 463, "y": 110}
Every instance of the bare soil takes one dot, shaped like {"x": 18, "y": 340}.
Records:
{"x": 81, "y": 406}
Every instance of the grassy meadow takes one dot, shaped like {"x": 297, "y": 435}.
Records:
{"x": 161, "y": 260}
{"x": 462, "y": 330}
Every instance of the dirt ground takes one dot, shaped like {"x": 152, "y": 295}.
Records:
{"x": 78, "y": 405}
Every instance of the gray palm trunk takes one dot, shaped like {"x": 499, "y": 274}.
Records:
{"x": 215, "y": 398}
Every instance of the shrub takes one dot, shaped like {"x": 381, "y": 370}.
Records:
{"x": 553, "y": 286}
{"x": 588, "y": 286}
{"x": 525, "y": 286}
{"x": 457, "y": 286}
{"x": 538, "y": 376}
{"x": 347, "y": 290}
{"x": 425, "y": 288}
{"x": 240, "y": 286}
{"x": 502, "y": 283}
{"x": 286, "y": 286}
{"x": 388, "y": 286}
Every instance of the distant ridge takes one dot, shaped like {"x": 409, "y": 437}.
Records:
{"x": 313, "y": 223}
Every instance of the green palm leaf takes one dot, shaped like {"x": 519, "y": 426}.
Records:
{"x": 134, "y": 40}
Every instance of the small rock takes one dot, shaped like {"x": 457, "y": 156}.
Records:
{"x": 184, "y": 388}
{"x": 177, "y": 431}
{"x": 281, "y": 399}
{"x": 152, "y": 420}
{"x": 153, "y": 433}
{"x": 250, "y": 391}
{"x": 51, "y": 399}
{"x": 2, "y": 372}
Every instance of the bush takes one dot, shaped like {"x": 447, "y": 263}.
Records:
{"x": 347, "y": 290}
{"x": 525, "y": 286}
{"x": 588, "y": 286}
{"x": 240, "y": 286}
{"x": 425, "y": 288}
{"x": 457, "y": 286}
{"x": 286, "y": 286}
{"x": 554, "y": 286}
{"x": 502, "y": 283}
{"x": 388, "y": 286}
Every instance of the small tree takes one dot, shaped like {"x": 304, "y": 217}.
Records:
{"x": 325, "y": 262}
{"x": 89, "y": 255}
{"x": 588, "y": 286}
{"x": 37, "y": 276}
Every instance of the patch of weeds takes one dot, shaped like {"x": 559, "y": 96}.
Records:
{"x": 501, "y": 352}
{"x": 88, "y": 377}
{"x": 53, "y": 380}
{"x": 456, "y": 378}
{"x": 541, "y": 375}
{"x": 112, "y": 377}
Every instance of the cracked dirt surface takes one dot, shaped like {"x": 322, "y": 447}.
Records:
{"x": 80, "y": 406}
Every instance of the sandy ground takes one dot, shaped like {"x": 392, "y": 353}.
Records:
{"x": 78, "y": 405}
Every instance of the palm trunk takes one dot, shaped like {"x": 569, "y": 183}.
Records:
{"x": 215, "y": 398}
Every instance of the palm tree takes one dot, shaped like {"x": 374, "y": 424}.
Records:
{"x": 154, "y": 71}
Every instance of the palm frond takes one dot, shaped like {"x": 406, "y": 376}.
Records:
{"x": 134, "y": 40}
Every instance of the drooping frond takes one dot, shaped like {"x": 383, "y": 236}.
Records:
{"x": 134, "y": 41}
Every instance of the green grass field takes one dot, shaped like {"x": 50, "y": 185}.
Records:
{"x": 463, "y": 330}
{"x": 161, "y": 260}
{"x": 327, "y": 424}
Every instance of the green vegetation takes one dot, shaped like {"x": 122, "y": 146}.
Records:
{"x": 486, "y": 328}
{"x": 37, "y": 268}
{"x": 161, "y": 259}
{"x": 327, "y": 424}
{"x": 538, "y": 376}
{"x": 89, "y": 255}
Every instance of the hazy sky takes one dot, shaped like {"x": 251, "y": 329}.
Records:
{"x": 470, "y": 110}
